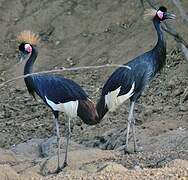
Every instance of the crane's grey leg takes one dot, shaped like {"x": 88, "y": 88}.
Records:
{"x": 58, "y": 143}
{"x": 134, "y": 135}
{"x": 54, "y": 130}
{"x": 130, "y": 119}
{"x": 45, "y": 146}
{"x": 67, "y": 144}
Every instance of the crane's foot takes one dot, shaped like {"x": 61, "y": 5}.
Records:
{"x": 138, "y": 149}
{"x": 127, "y": 151}
{"x": 64, "y": 165}
{"x": 133, "y": 151}
{"x": 59, "y": 169}
{"x": 124, "y": 149}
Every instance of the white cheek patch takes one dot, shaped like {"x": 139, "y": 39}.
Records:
{"x": 112, "y": 100}
{"x": 160, "y": 14}
{"x": 69, "y": 108}
{"x": 28, "y": 48}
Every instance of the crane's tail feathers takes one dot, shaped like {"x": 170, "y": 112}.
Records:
{"x": 28, "y": 37}
{"x": 149, "y": 14}
{"x": 87, "y": 112}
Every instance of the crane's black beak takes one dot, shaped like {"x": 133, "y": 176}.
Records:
{"x": 170, "y": 15}
{"x": 20, "y": 57}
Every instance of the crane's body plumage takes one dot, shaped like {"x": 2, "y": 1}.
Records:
{"x": 59, "y": 93}
{"x": 57, "y": 88}
{"x": 129, "y": 82}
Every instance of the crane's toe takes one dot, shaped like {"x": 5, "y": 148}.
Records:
{"x": 59, "y": 169}
{"x": 132, "y": 151}
{"x": 64, "y": 165}
{"x": 138, "y": 149}
{"x": 127, "y": 151}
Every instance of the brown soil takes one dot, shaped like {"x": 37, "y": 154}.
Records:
{"x": 82, "y": 32}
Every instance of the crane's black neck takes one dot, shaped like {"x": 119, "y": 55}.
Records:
{"x": 161, "y": 40}
{"x": 160, "y": 49}
{"x": 29, "y": 64}
{"x": 29, "y": 69}
{"x": 101, "y": 107}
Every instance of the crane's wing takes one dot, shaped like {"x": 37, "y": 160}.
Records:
{"x": 121, "y": 78}
{"x": 124, "y": 78}
{"x": 58, "y": 89}
{"x": 124, "y": 83}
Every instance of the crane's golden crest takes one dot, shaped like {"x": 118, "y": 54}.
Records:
{"x": 28, "y": 37}
{"x": 149, "y": 14}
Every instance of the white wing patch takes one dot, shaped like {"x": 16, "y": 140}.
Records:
{"x": 112, "y": 100}
{"x": 69, "y": 108}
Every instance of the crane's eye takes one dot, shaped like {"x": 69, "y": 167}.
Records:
{"x": 28, "y": 48}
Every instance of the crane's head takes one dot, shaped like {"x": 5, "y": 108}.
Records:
{"x": 161, "y": 14}
{"x": 27, "y": 40}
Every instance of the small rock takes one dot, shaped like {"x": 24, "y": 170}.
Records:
{"x": 182, "y": 129}
{"x": 178, "y": 92}
{"x": 57, "y": 43}
{"x": 16, "y": 19}
{"x": 107, "y": 30}
{"x": 69, "y": 13}
{"x": 137, "y": 167}
{"x": 69, "y": 59}
{"x": 171, "y": 84}
{"x": 84, "y": 34}
{"x": 183, "y": 108}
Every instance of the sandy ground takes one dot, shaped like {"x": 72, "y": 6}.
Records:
{"x": 82, "y": 32}
{"x": 24, "y": 162}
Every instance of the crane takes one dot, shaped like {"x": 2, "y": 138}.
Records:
{"x": 58, "y": 93}
{"x": 130, "y": 81}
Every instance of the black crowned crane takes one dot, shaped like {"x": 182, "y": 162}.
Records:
{"x": 58, "y": 93}
{"x": 129, "y": 82}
